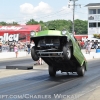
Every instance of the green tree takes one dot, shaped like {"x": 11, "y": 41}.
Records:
{"x": 43, "y": 25}
{"x": 3, "y": 23}
{"x": 81, "y": 26}
{"x": 31, "y": 22}
{"x": 13, "y": 23}
{"x": 59, "y": 24}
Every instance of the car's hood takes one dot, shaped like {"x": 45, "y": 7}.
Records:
{"x": 48, "y": 33}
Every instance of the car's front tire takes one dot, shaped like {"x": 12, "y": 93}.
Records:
{"x": 34, "y": 54}
{"x": 81, "y": 71}
{"x": 67, "y": 52}
{"x": 52, "y": 71}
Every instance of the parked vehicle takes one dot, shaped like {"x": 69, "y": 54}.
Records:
{"x": 60, "y": 50}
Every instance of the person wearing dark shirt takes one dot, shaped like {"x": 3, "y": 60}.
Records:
{"x": 96, "y": 44}
{"x": 28, "y": 46}
{"x": 0, "y": 46}
{"x": 11, "y": 47}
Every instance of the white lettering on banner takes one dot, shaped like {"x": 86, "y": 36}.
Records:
{"x": 84, "y": 39}
{"x": 16, "y": 37}
{"x": 10, "y": 28}
{"x": 5, "y": 37}
{"x": 11, "y": 37}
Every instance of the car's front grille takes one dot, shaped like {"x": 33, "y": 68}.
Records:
{"x": 49, "y": 41}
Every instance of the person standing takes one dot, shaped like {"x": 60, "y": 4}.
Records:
{"x": 28, "y": 47}
{"x": 32, "y": 44}
{"x": 0, "y": 46}
{"x": 88, "y": 47}
{"x": 11, "y": 47}
{"x": 16, "y": 50}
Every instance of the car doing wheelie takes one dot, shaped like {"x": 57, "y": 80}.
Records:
{"x": 60, "y": 50}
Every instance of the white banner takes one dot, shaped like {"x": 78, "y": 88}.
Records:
{"x": 92, "y": 31}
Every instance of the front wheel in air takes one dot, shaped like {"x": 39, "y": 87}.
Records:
{"x": 34, "y": 54}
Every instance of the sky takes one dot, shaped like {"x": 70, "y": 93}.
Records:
{"x": 22, "y": 11}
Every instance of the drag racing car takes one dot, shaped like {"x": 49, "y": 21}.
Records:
{"x": 60, "y": 50}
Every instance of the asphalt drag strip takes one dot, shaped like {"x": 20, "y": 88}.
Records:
{"x": 38, "y": 82}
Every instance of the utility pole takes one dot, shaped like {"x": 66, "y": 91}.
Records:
{"x": 74, "y": 5}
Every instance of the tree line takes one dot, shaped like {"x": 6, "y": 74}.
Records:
{"x": 79, "y": 25}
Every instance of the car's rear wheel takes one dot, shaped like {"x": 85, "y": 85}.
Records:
{"x": 81, "y": 71}
{"x": 67, "y": 52}
{"x": 34, "y": 54}
{"x": 52, "y": 71}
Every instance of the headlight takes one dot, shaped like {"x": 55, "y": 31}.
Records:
{"x": 32, "y": 33}
{"x": 64, "y": 32}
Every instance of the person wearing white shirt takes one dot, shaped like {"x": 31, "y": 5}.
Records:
{"x": 32, "y": 44}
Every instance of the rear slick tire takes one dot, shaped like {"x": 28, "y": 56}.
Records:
{"x": 81, "y": 71}
{"x": 52, "y": 71}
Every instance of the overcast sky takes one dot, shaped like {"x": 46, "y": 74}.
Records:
{"x": 22, "y": 10}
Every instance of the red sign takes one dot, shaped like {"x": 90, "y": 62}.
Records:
{"x": 81, "y": 37}
{"x": 17, "y": 33}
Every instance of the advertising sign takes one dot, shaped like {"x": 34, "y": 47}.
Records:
{"x": 14, "y": 28}
{"x": 11, "y": 37}
{"x": 17, "y": 33}
{"x": 95, "y": 18}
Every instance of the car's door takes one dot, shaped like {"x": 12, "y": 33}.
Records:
{"x": 77, "y": 51}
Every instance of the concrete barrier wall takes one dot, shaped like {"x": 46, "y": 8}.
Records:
{"x": 12, "y": 54}
{"x": 3, "y": 55}
{"x": 92, "y": 54}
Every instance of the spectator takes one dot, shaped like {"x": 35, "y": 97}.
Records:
{"x": 82, "y": 44}
{"x": 40, "y": 61}
{"x": 96, "y": 44}
{"x": 85, "y": 44}
{"x": 16, "y": 50}
{"x": 32, "y": 44}
{"x": 88, "y": 47}
{"x": 92, "y": 42}
{"x": 0, "y": 46}
{"x": 11, "y": 46}
{"x": 28, "y": 46}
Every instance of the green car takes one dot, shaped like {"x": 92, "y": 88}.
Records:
{"x": 60, "y": 50}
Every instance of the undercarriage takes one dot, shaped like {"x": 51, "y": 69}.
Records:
{"x": 57, "y": 52}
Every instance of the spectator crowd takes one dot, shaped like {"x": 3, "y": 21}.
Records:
{"x": 89, "y": 44}
{"x": 26, "y": 46}
{"x": 9, "y": 46}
